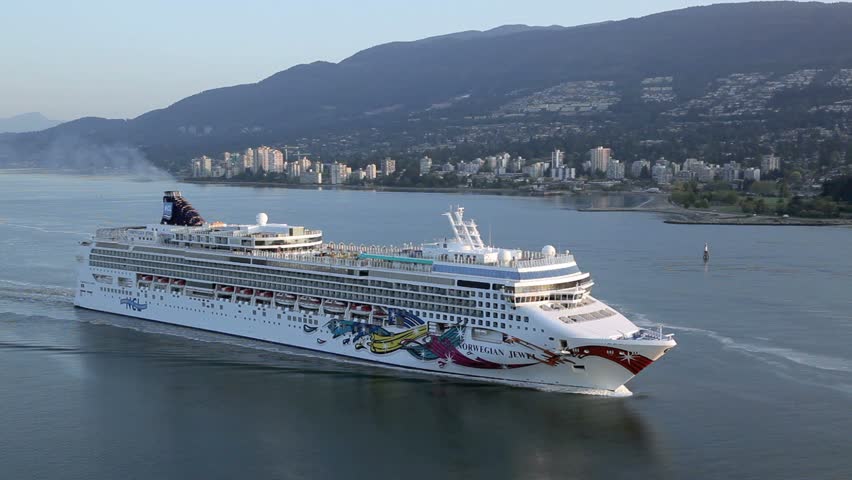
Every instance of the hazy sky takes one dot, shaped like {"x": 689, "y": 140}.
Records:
{"x": 118, "y": 59}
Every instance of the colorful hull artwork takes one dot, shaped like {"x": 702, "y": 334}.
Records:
{"x": 450, "y": 346}
{"x": 446, "y": 347}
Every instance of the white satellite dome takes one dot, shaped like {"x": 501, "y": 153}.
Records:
{"x": 548, "y": 251}
{"x": 262, "y": 218}
{"x": 505, "y": 257}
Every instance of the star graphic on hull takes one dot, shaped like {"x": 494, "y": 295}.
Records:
{"x": 627, "y": 356}
{"x": 448, "y": 358}
{"x": 460, "y": 332}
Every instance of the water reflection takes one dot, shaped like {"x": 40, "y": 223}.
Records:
{"x": 269, "y": 410}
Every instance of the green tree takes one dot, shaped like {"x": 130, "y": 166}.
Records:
{"x": 763, "y": 188}
{"x": 796, "y": 177}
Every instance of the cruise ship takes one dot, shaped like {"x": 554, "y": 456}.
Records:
{"x": 454, "y": 307}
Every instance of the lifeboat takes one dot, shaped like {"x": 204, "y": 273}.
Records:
{"x": 163, "y": 280}
{"x": 311, "y": 303}
{"x": 361, "y": 310}
{"x": 227, "y": 289}
{"x": 380, "y": 312}
{"x": 179, "y": 282}
{"x": 334, "y": 306}
{"x": 146, "y": 278}
{"x": 286, "y": 298}
{"x": 246, "y": 291}
{"x": 264, "y": 294}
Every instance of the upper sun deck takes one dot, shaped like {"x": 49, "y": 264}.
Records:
{"x": 462, "y": 255}
{"x": 257, "y": 237}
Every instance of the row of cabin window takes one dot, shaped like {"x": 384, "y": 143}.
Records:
{"x": 206, "y": 265}
{"x": 438, "y": 316}
{"x": 302, "y": 289}
{"x": 429, "y": 314}
{"x": 269, "y": 281}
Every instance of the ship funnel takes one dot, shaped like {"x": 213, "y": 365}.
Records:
{"x": 177, "y": 211}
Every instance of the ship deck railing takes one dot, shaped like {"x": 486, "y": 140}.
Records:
{"x": 651, "y": 334}
{"x": 529, "y": 258}
{"x": 351, "y": 262}
{"x": 406, "y": 257}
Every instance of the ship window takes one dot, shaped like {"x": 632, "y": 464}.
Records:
{"x": 502, "y": 325}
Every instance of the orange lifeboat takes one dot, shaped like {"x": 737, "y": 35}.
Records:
{"x": 334, "y": 306}
{"x": 286, "y": 298}
{"x": 311, "y": 303}
{"x": 361, "y": 309}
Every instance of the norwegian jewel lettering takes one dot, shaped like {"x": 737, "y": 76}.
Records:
{"x": 473, "y": 348}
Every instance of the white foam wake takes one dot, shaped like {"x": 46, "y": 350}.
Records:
{"x": 44, "y": 230}
{"x": 812, "y": 360}
{"x": 19, "y": 290}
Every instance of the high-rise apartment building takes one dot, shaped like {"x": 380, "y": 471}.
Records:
{"x": 371, "y": 171}
{"x": 556, "y": 158}
{"x": 600, "y": 158}
{"x": 425, "y": 165}
{"x": 388, "y": 166}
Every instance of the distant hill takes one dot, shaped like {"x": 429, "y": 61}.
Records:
{"x": 26, "y": 122}
{"x": 674, "y": 63}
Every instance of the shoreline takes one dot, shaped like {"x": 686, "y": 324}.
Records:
{"x": 658, "y": 203}
{"x": 379, "y": 188}
{"x": 676, "y": 215}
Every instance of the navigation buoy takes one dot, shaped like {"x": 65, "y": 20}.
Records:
{"x": 706, "y": 252}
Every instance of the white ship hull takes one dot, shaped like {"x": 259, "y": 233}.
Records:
{"x": 518, "y": 360}
{"x": 455, "y": 307}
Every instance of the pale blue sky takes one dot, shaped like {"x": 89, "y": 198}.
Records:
{"x": 119, "y": 59}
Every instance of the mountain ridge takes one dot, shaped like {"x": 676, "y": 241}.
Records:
{"x": 477, "y": 73}
{"x": 26, "y": 122}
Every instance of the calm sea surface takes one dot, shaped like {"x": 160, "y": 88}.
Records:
{"x": 759, "y": 387}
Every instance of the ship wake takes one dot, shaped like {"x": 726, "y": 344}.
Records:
{"x": 811, "y": 360}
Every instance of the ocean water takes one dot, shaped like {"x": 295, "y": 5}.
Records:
{"x": 760, "y": 385}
